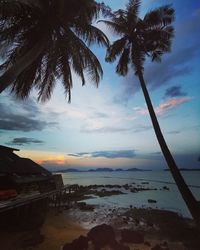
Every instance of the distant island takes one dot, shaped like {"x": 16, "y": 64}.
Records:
{"x": 137, "y": 169}
{"x": 66, "y": 170}
{"x": 185, "y": 169}
{"x": 71, "y": 170}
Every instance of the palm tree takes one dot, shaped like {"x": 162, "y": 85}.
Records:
{"x": 45, "y": 40}
{"x": 150, "y": 36}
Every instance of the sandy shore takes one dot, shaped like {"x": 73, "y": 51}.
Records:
{"x": 58, "y": 230}
{"x": 55, "y": 232}
{"x": 160, "y": 230}
{"x": 158, "y": 227}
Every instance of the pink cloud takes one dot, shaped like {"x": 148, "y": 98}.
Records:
{"x": 164, "y": 106}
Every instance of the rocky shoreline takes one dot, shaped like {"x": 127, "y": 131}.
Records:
{"x": 153, "y": 224}
{"x": 79, "y": 226}
{"x": 93, "y": 191}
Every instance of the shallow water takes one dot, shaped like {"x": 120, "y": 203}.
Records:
{"x": 168, "y": 200}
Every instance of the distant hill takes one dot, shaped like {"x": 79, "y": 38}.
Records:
{"x": 185, "y": 169}
{"x": 101, "y": 170}
{"x": 71, "y": 170}
{"x": 137, "y": 169}
{"x": 67, "y": 170}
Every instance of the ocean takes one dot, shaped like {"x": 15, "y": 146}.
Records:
{"x": 166, "y": 199}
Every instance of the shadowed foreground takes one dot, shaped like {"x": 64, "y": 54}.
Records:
{"x": 142, "y": 229}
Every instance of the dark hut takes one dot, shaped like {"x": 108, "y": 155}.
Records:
{"x": 27, "y": 184}
{"x": 22, "y": 175}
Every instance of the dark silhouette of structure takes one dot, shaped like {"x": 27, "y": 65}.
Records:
{"x": 24, "y": 190}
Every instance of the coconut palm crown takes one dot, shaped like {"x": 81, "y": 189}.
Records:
{"x": 151, "y": 37}
{"x": 44, "y": 40}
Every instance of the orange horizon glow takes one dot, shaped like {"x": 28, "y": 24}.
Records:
{"x": 60, "y": 159}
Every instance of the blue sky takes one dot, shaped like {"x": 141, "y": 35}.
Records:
{"x": 109, "y": 126}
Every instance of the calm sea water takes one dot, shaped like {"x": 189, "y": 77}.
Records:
{"x": 168, "y": 200}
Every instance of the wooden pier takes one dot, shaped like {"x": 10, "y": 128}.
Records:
{"x": 54, "y": 196}
{"x": 29, "y": 211}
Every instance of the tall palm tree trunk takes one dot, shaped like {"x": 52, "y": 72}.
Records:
{"x": 187, "y": 195}
{"x": 12, "y": 73}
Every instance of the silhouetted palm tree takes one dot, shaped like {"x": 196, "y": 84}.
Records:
{"x": 44, "y": 40}
{"x": 138, "y": 38}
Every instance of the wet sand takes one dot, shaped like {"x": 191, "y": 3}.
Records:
{"x": 64, "y": 227}
{"x": 58, "y": 230}
{"x": 77, "y": 218}
{"x": 55, "y": 232}
{"x": 163, "y": 227}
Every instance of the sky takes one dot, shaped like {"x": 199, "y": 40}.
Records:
{"x": 109, "y": 126}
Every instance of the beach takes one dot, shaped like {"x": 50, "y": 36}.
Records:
{"x": 64, "y": 228}
{"x": 121, "y": 201}
{"x": 158, "y": 228}
{"x": 59, "y": 229}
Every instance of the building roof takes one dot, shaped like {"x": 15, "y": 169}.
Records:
{"x": 11, "y": 163}
{"x": 8, "y": 149}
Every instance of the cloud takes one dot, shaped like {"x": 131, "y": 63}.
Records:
{"x": 111, "y": 121}
{"x": 25, "y": 140}
{"x": 174, "y": 132}
{"x": 29, "y": 106}
{"x": 54, "y": 162}
{"x": 130, "y": 86}
{"x": 107, "y": 154}
{"x": 189, "y": 28}
{"x": 24, "y": 117}
{"x": 157, "y": 75}
{"x": 142, "y": 128}
{"x": 170, "y": 104}
{"x": 172, "y": 66}
{"x": 100, "y": 115}
{"x": 164, "y": 106}
{"x": 105, "y": 129}
{"x": 174, "y": 91}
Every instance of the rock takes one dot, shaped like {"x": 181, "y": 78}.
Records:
{"x": 101, "y": 235}
{"x": 164, "y": 244}
{"x": 126, "y": 186}
{"x": 118, "y": 246}
{"x": 104, "y": 193}
{"x": 160, "y": 247}
{"x": 31, "y": 239}
{"x": 85, "y": 207}
{"x": 147, "y": 243}
{"x": 152, "y": 201}
{"x": 156, "y": 247}
{"x": 78, "y": 244}
{"x": 150, "y": 224}
{"x": 131, "y": 236}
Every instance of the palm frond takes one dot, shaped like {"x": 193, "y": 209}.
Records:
{"x": 133, "y": 11}
{"x": 114, "y": 27}
{"x": 159, "y": 17}
{"x": 66, "y": 77}
{"x": 116, "y": 49}
{"x": 25, "y": 22}
{"x": 122, "y": 66}
{"x": 92, "y": 35}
